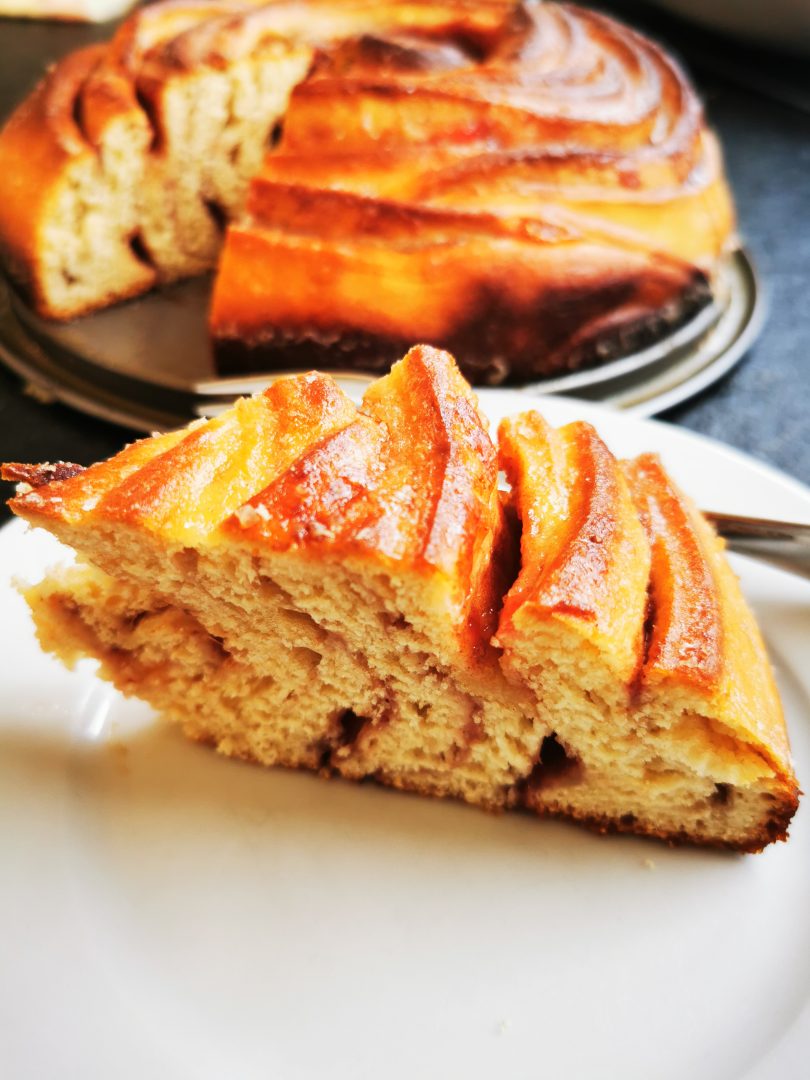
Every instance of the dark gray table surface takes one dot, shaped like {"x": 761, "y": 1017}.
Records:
{"x": 762, "y": 407}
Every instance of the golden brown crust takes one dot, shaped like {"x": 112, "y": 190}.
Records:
{"x": 73, "y": 498}
{"x": 36, "y": 476}
{"x": 184, "y": 484}
{"x": 771, "y": 830}
{"x": 412, "y": 481}
{"x": 175, "y": 493}
{"x": 301, "y": 272}
{"x": 685, "y": 642}
{"x": 584, "y": 558}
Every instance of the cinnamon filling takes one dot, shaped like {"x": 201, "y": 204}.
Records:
{"x": 555, "y": 765}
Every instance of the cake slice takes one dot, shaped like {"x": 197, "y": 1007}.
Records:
{"x": 304, "y": 582}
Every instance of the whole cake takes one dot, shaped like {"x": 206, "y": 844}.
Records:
{"x": 530, "y": 185}
{"x": 304, "y": 582}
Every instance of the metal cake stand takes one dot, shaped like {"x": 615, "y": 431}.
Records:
{"x": 147, "y": 363}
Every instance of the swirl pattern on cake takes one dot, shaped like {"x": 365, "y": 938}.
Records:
{"x": 531, "y": 185}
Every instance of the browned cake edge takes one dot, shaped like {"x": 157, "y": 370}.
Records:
{"x": 474, "y": 347}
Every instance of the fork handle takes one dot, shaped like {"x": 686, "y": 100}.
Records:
{"x": 786, "y": 544}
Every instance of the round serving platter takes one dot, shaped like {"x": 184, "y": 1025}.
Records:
{"x": 147, "y": 363}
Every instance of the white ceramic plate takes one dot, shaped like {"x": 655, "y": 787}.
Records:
{"x": 169, "y": 914}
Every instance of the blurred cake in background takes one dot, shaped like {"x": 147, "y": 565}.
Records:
{"x": 532, "y": 186}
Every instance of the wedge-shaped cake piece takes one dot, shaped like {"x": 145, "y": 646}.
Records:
{"x": 305, "y": 582}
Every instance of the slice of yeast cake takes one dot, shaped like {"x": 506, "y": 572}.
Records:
{"x": 629, "y": 625}
{"x": 305, "y": 582}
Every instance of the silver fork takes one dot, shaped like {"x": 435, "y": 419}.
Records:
{"x": 786, "y": 544}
